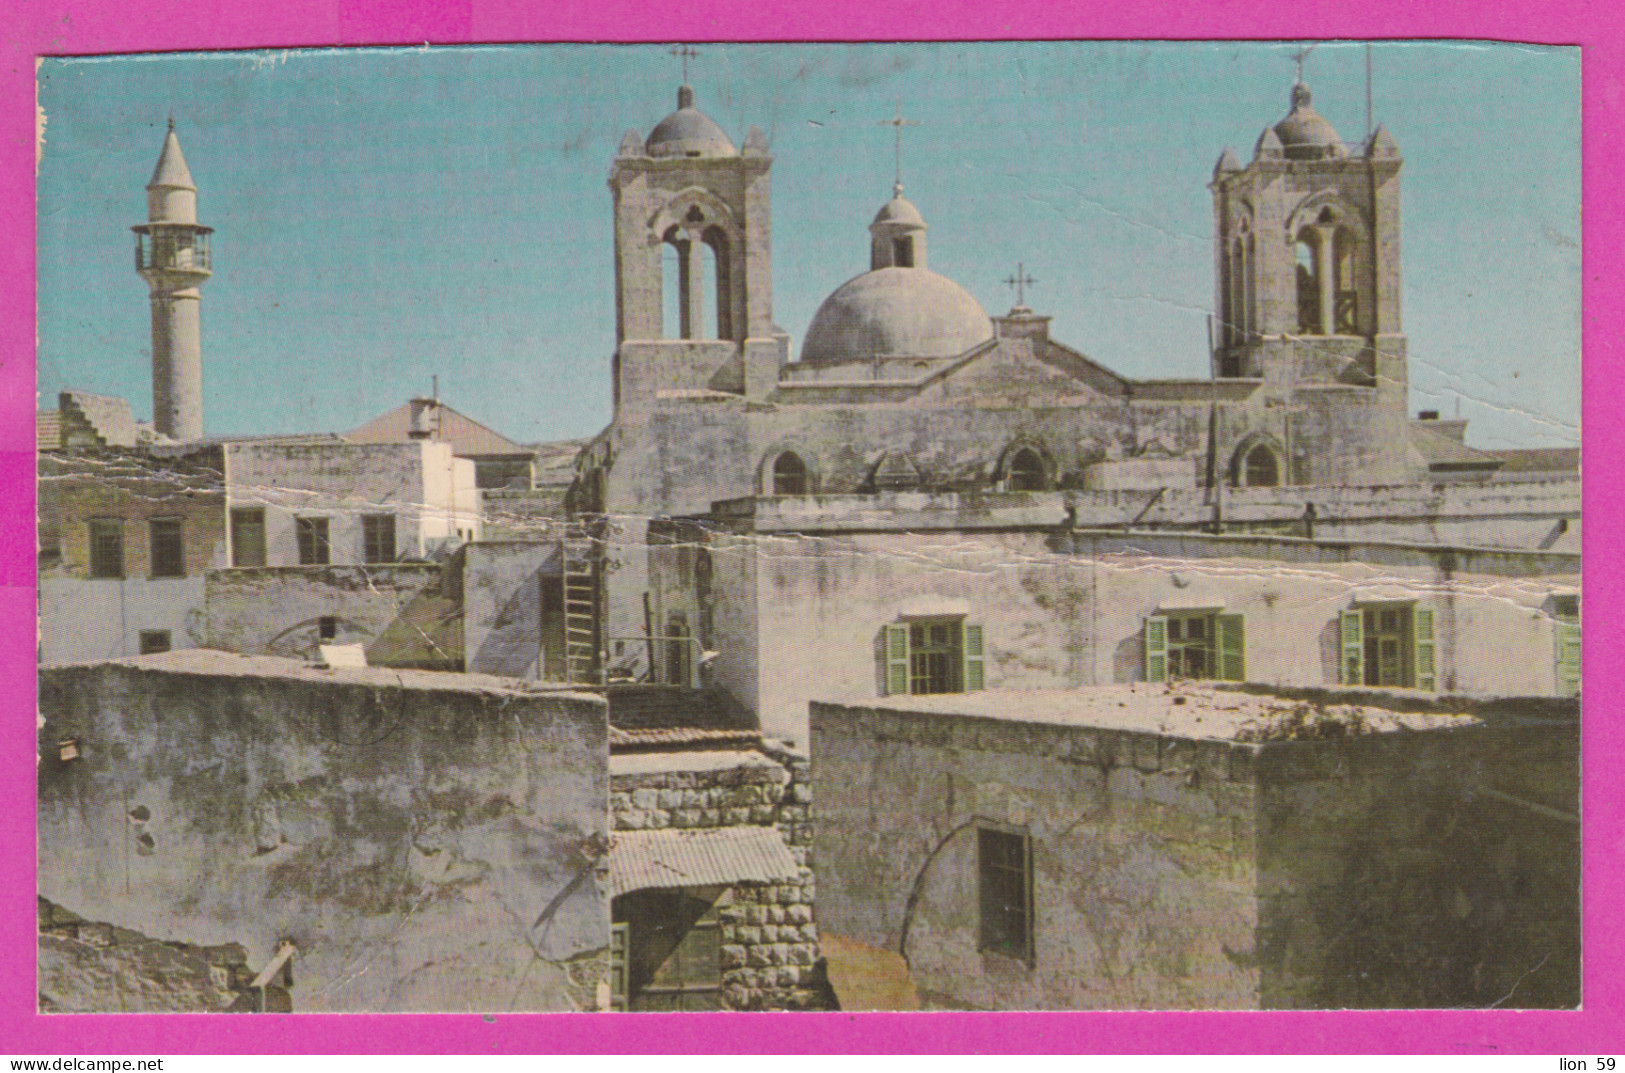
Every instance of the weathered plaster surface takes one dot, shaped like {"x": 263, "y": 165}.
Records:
{"x": 428, "y": 841}
{"x": 1425, "y": 868}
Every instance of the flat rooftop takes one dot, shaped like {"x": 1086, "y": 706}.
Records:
{"x": 1184, "y": 710}
{"x": 216, "y": 664}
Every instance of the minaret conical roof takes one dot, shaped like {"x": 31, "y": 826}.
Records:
{"x": 172, "y": 170}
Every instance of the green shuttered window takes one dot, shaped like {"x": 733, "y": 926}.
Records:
{"x": 1388, "y": 645}
{"x": 924, "y": 656}
{"x": 1200, "y": 645}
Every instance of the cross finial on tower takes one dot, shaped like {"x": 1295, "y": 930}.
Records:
{"x": 1020, "y": 281}
{"x": 172, "y": 120}
{"x": 685, "y": 52}
{"x": 1298, "y": 57}
{"x": 898, "y": 123}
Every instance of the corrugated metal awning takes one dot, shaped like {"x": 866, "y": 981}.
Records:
{"x": 709, "y": 857}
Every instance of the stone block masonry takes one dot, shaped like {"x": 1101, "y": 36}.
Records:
{"x": 769, "y": 931}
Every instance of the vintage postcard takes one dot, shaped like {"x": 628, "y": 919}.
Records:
{"x": 827, "y": 527}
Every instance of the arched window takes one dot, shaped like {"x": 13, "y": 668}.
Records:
{"x": 692, "y": 257}
{"x": 1308, "y": 275}
{"x": 1346, "y": 317}
{"x": 1234, "y": 314}
{"x": 673, "y": 286}
{"x": 704, "y": 315}
{"x": 1025, "y": 472}
{"x": 716, "y": 240}
{"x": 789, "y": 475}
{"x": 902, "y": 252}
{"x": 1259, "y": 469}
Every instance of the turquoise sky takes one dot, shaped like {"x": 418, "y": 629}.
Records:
{"x": 383, "y": 216}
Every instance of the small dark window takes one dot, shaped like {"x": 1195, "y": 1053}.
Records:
{"x": 248, "y": 536}
{"x": 1260, "y": 470}
{"x": 1003, "y": 879}
{"x": 314, "y": 547}
{"x": 902, "y": 252}
{"x": 378, "y": 538}
{"x": 327, "y": 628}
{"x": 50, "y": 545}
{"x": 153, "y": 641}
{"x": 678, "y": 657}
{"x": 789, "y": 475}
{"x": 168, "y": 548}
{"x": 106, "y": 548}
{"x": 1026, "y": 472}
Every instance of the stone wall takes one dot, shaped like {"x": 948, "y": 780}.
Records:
{"x": 428, "y": 841}
{"x": 399, "y": 611}
{"x": 1528, "y": 515}
{"x": 1414, "y": 869}
{"x": 1076, "y": 616}
{"x": 1428, "y": 870}
{"x": 502, "y": 605}
{"x": 430, "y": 492}
{"x": 1141, "y": 852}
{"x": 90, "y": 967}
{"x": 769, "y": 931}
{"x": 82, "y": 617}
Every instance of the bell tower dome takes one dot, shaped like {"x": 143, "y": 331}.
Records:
{"x": 693, "y": 260}
{"x": 1306, "y": 246}
{"x": 1306, "y": 252}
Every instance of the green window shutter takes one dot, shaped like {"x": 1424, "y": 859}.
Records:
{"x": 896, "y": 675}
{"x": 1422, "y": 634}
{"x": 617, "y": 966}
{"x": 1232, "y": 648}
{"x": 1568, "y": 659}
{"x": 971, "y": 646}
{"x": 1351, "y": 668}
{"x": 1156, "y": 649}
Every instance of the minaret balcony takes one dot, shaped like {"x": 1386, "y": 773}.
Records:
{"x": 173, "y": 250}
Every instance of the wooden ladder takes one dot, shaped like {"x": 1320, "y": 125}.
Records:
{"x": 581, "y": 662}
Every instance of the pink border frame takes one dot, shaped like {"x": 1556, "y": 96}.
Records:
{"x": 60, "y": 27}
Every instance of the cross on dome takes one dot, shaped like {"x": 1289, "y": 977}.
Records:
{"x": 1298, "y": 57}
{"x": 685, "y": 52}
{"x": 1020, "y": 282}
{"x": 898, "y": 123}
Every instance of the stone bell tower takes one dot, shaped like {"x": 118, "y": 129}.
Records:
{"x": 1307, "y": 270}
{"x": 1306, "y": 246}
{"x": 172, "y": 255}
{"x": 692, "y": 215}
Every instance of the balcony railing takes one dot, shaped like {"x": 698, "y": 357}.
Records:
{"x": 184, "y": 252}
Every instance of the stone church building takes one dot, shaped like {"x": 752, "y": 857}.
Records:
{"x": 904, "y": 381}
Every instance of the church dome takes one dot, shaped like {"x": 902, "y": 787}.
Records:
{"x": 688, "y": 132}
{"x": 896, "y": 313}
{"x": 1305, "y": 131}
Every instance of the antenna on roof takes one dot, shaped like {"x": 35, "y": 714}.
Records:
{"x": 435, "y": 383}
{"x": 1368, "y": 91}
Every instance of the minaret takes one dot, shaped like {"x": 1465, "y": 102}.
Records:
{"x": 172, "y": 255}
